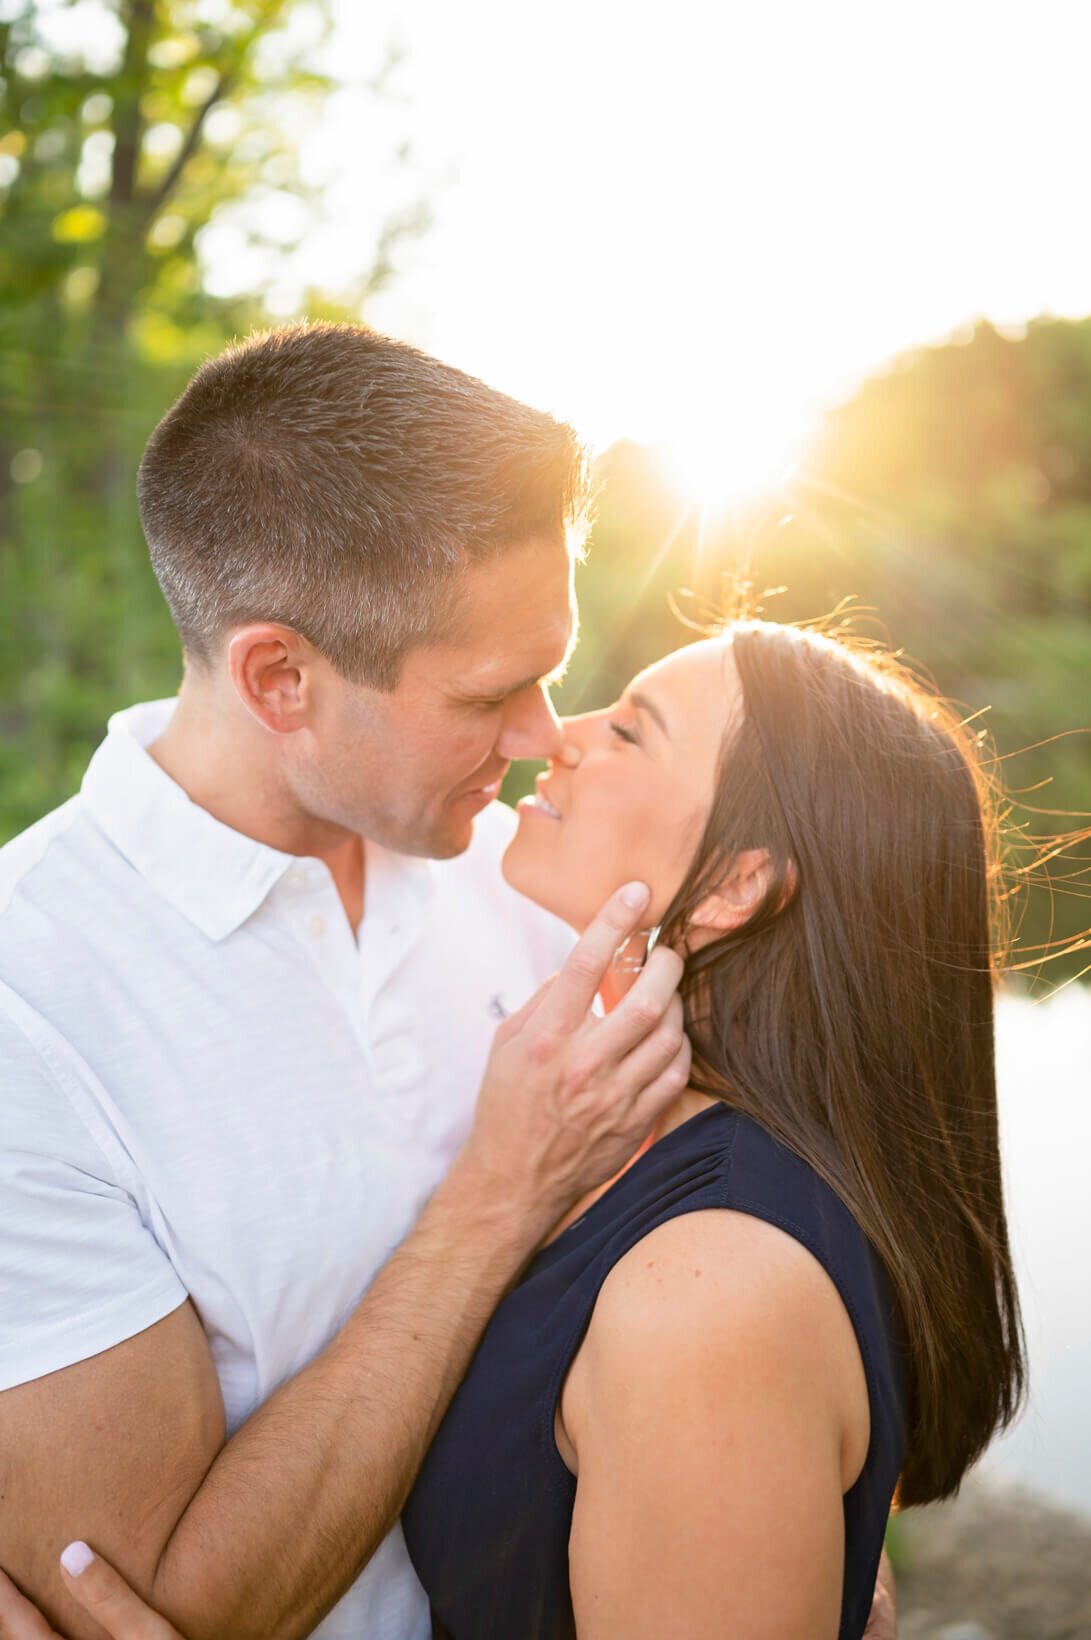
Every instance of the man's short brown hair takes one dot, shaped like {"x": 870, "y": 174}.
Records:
{"x": 334, "y": 480}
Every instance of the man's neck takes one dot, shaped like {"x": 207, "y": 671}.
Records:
{"x": 221, "y": 759}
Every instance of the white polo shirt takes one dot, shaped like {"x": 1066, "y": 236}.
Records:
{"x": 209, "y": 1087}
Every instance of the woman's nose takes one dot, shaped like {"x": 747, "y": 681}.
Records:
{"x": 569, "y": 752}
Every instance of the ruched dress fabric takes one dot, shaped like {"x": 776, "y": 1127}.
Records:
{"x": 488, "y": 1521}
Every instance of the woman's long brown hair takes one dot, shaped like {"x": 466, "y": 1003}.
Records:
{"x": 852, "y": 1016}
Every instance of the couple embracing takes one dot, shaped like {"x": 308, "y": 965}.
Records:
{"x": 364, "y": 1276}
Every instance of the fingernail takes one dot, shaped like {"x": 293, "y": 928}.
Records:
{"x": 76, "y": 1558}
{"x": 635, "y": 895}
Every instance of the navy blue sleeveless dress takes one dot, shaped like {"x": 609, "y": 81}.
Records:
{"x": 488, "y": 1521}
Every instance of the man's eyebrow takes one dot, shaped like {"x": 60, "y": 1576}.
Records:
{"x": 643, "y": 704}
{"x": 501, "y": 692}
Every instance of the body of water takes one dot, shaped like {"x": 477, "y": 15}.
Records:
{"x": 1044, "y": 1072}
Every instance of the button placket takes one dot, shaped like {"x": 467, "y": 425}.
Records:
{"x": 312, "y": 906}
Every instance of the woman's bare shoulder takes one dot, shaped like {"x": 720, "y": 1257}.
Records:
{"x": 720, "y": 1297}
{"x": 713, "y": 1265}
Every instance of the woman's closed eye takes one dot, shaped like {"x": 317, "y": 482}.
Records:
{"x": 624, "y": 733}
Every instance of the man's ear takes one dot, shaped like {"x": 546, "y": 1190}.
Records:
{"x": 272, "y": 670}
{"x": 738, "y": 896}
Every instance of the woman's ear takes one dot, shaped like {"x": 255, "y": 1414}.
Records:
{"x": 738, "y": 896}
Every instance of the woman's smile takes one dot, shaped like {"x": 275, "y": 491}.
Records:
{"x": 537, "y": 803}
{"x": 628, "y": 799}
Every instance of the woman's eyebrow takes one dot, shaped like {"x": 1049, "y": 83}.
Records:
{"x": 643, "y": 704}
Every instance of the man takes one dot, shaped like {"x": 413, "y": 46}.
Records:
{"x": 248, "y": 983}
{"x": 249, "y": 978}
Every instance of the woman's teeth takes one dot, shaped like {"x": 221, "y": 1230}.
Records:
{"x": 545, "y": 805}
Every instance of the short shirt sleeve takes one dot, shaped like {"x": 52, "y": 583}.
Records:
{"x": 79, "y": 1269}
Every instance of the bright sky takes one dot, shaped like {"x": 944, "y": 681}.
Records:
{"x": 694, "y": 222}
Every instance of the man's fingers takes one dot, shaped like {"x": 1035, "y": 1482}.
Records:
{"x": 19, "y": 1620}
{"x": 655, "y": 1094}
{"x": 518, "y": 1019}
{"x": 651, "y": 1001}
{"x": 655, "y": 1051}
{"x": 882, "y": 1624}
{"x": 574, "y": 987}
{"x": 104, "y": 1595}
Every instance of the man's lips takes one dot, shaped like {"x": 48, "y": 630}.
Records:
{"x": 486, "y": 793}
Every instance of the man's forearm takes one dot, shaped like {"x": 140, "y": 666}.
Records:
{"x": 301, "y": 1496}
{"x": 296, "y": 1502}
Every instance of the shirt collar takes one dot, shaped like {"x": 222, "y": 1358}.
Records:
{"x": 214, "y": 876}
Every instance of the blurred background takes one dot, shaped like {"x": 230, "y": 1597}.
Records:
{"x": 813, "y": 281}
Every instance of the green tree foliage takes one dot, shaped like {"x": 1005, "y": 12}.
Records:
{"x": 951, "y": 496}
{"x": 129, "y": 129}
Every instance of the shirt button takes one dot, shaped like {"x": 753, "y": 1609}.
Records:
{"x": 318, "y": 925}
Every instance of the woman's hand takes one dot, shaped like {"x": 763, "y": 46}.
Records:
{"x": 99, "y": 1589}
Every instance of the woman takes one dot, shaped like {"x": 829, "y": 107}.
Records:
{"x": 691, "y": 1414}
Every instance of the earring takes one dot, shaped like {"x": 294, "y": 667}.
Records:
{"x": 632, "y": 963}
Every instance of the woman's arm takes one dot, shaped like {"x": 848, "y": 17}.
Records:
{"x": 717, "y": 1410}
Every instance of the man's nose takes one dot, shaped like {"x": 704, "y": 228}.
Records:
{"x": 531, "y": 727}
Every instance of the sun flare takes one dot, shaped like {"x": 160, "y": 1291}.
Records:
{"x": 729, "y": 463}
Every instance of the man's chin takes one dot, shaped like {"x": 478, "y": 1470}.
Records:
{"x": 445, "y": 836}
{"x": 447, "y": 847}
{"x": 440, "y": 842}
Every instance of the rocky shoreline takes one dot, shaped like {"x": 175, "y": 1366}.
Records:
{"x": 995, "y": 1563}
